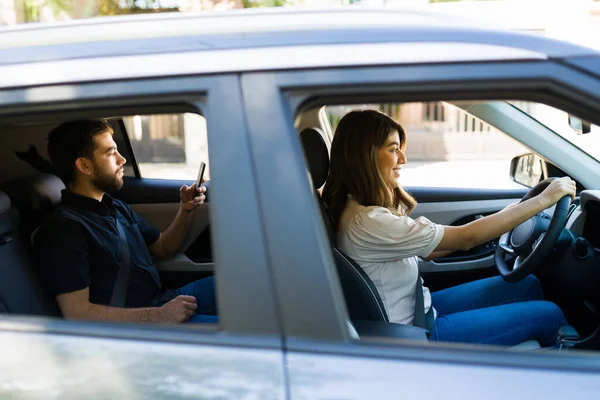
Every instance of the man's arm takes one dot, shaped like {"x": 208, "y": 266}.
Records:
{"x": 76, "y": 305}
{"x": 170, "y": 241}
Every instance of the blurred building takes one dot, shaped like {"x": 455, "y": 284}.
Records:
{"x": 7, "y": 12}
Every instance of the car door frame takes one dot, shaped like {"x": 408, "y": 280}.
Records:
{"x": 246, "y": 302}
{"x": 298, "y": 249}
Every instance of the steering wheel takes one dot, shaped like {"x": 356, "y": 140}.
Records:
{"x": 533, "y": 240}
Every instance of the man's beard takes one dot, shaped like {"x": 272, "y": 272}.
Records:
{"x": 107, "y": 183}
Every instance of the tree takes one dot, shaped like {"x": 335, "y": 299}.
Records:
{"x": 33, "y": 8}
{"x": 119, "y": 7}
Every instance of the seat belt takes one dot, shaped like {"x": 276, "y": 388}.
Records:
{"x": 422, "y": 320}
{"x": 119, "y": 293}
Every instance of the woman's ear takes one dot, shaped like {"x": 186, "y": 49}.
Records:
{"x": 84, "y": 166}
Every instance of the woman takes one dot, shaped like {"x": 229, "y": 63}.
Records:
{"x": 370, "y": 211}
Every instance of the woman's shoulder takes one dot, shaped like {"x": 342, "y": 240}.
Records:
{"x": 359, "y": 215}
{"x": 358, "y": 210}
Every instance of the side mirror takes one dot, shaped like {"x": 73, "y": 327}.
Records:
{"x": 527, "y": 169}
{"x": 579, "y": 125}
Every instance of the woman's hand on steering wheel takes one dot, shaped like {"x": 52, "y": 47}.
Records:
{"x": 558, "y": 189}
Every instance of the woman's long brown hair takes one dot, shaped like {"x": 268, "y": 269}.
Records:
{"x": 354, "y": 169}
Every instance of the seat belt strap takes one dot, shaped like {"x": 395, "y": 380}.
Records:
{"x": 419, "y": 318}
{"x": 119, "y": 293}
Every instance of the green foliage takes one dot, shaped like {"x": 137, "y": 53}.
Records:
{"x": 32, "y": 7}
{"x": 119, "y": 7}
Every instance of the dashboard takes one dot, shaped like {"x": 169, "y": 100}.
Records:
{"x": 585, "y": 219}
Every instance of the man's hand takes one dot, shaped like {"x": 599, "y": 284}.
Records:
{"x": 76, "y": 305}
{"x": 191, "y": 197}
{"x": 171, "y": 240}
{"x": 178, "y": 310}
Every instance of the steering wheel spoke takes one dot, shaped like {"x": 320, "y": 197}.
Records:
{"x": 504, "y": 244}
{"x": 518, "y": 262}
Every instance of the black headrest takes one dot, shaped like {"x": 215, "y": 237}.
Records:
{"x": 6, "y": 225}
{"x": 317, "y": 155}
{"x": 34, "y": 196}
{"x": 4, "y": 203}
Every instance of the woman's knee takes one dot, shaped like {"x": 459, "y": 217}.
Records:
{"x": 532, "y": 288}
{"x": 549, "y": 310}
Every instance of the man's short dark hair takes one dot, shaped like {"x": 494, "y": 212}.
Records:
{"x": 71, "y": 140}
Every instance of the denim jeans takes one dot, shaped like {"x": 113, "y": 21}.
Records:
{"x": 492, "y": 311}
{"x": 204, "y": 292}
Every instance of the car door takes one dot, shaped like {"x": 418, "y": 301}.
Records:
{"x": 322, "y": 359}
{"x": 239, "y": 358}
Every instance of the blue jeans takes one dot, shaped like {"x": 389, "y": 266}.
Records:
{"x": 204, "y": 292}
{"x": 492, "y": 311}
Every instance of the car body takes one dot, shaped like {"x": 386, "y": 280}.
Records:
{"x": 255, "y": 77}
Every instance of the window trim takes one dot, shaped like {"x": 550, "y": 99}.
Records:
{"x": 130, "y": 151}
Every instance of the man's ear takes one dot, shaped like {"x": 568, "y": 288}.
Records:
{"x": 84, "y": 165}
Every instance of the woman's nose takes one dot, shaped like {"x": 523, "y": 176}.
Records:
{"x": 401, "y": 158}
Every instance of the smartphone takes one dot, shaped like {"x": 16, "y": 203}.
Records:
{"x": 200, "y": 174}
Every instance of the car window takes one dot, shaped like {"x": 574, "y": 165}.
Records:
{"x": 563, "y": 124}
{"x": 448, "y": 146}
{"x": 168, "y": 146}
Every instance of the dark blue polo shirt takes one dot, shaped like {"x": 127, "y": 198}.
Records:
{"x": 78, "y": 246}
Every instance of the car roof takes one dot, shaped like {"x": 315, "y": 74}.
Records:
{"x": 172, "y": 32}
{"x": 250, "y": 40}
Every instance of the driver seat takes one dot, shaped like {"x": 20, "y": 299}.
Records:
{"x": 362, "y": 298}
{"x": 361, "y": 295}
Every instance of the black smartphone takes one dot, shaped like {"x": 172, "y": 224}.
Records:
{"x": 200, "y": 174}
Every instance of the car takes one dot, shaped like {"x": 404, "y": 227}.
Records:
{"x": 267, "y": 85}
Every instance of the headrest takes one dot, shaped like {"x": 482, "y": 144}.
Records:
{"x": 4, "y": 203}
{"x": 34, "y": 196}
{"x": 316, "y": 154}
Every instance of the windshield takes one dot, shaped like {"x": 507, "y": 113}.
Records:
{"x": 558, "y": 121}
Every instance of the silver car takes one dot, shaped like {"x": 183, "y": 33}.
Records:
{"x": 260, "y": 81}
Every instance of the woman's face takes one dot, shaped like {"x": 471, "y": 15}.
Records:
{"x": 390, "y": 158}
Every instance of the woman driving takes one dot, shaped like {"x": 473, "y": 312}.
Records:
{"x": 370, "y": 210}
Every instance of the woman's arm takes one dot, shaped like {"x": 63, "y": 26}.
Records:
{"x": 437, "y": 254}
{"x": 485, "y": 229}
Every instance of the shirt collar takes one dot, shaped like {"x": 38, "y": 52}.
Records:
{"x": 104, "y": 207}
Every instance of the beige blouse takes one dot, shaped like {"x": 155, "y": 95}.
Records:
{"x": 386, "y": 246}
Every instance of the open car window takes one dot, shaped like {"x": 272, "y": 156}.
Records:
{"x": 168, "y": 146}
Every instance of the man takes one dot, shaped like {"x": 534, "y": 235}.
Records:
{"x": 80, "y": 246}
